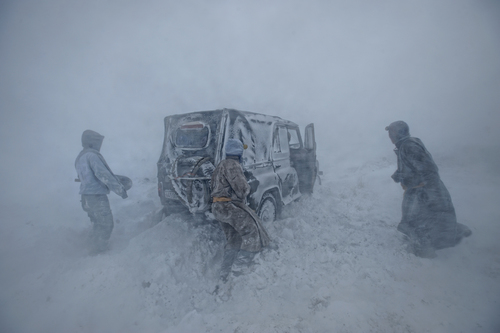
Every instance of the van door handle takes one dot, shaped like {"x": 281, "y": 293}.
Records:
{"x": 277, "y": 166}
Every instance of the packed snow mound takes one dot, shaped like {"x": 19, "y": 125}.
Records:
{"x": 339, "y": 266}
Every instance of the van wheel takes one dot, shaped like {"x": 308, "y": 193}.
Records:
{"x": 268, "y": 208}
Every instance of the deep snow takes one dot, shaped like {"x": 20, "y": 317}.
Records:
{"x": 340, "y": 265}
{"x": 351, "y": 67}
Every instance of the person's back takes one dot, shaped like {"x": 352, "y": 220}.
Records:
{"x": 415, "y": 163}
{"x": 229, "y": 181}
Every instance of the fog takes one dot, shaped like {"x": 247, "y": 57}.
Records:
{"x": 120, "y": 67}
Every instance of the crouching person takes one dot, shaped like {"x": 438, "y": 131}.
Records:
{"x": 242, "y": 227}
{"x": 96, "y": 182}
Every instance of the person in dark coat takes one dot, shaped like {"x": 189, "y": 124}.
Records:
{"x": 428, "y": 215}
{"x": 97, "y": 180}
{"x": 242, "y": 227}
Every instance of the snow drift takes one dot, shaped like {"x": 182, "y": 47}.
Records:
{"x": 340, "y": 266}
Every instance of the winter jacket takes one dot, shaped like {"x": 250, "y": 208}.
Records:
{"x": 427, "y": 209}
{"x": 415, "y": 164}
{"x": 229, "y": 181}
{"x": 94, "y": 173}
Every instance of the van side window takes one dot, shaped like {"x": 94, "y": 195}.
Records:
{"x": 281, "y": 140}
{"x": 293, "y": 138}
{"x": 284, "y": 140}
{"x": 277, "y": 143}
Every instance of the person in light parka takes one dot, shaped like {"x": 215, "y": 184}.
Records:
{"x": 96, "y": 180}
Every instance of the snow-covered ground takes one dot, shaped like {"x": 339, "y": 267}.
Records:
{"x": 340, "y": 265}
{"x": 350, "y": 67}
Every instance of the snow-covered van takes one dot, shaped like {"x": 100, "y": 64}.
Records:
{"x": 279, "y": 166}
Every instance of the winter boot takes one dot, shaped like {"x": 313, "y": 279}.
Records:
{"x": 463, "y": 230}
{"x": 405, "y": 229}
{"x": 424, "y": 249}
{"x": 427, "y": 252}
{"x": 222, "y": 292}
{"x": 273, "y": 245}
{"x": 244, "y": 262}
{"x": 98, "y": 246}
{"x": 227, "y": 263}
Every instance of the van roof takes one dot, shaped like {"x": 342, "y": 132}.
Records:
{"x": 246, "y": 114}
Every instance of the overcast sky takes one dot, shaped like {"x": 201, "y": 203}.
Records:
{"x": 351, "y": 67}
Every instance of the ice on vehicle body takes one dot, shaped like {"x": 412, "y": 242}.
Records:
{"x": 279, "y": 166}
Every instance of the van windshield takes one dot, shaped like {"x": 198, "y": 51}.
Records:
{"x": 192, "y": 135}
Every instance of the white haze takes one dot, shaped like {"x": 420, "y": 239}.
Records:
{"x": 120, "y": 67}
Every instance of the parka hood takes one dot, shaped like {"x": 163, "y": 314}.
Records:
{"x": 398, "y": 131}
{"x": 91, "y": 139}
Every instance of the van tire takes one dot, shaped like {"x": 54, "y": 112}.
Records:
{"x": 268, "y": 209}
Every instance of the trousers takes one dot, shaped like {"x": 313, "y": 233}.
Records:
{"x": 238, "y": 226}
{"x": 99, "y": 212}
